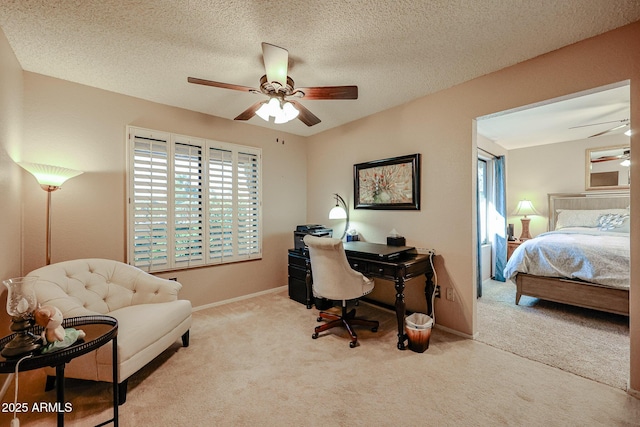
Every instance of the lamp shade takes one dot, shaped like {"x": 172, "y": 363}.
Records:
{"x": 337, "y": 212}
{"x": 49, "y": 176}
{"x": 340, "y": 211}
{"x": 525, "y": 207}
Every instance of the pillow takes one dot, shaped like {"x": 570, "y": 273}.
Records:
{"x": 583, "y": 218}
{"x": 614, "y": 222}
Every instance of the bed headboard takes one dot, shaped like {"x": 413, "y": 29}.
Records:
{"x": 599, "y": 200}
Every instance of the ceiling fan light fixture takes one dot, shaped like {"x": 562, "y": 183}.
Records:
{"x": 290, "y": 111}
{"x": 263, "y": 111}
{"x": 281, "y": 112}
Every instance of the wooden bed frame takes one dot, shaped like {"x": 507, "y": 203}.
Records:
{"x": 577, "y": 292}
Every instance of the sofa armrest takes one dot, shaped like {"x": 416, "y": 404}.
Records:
{"x": 150, "y": 289}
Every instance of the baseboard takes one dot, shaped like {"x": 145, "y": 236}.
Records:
{"x": 240, "y": 298}
{"x": 454, "y": 332}
{"x": 632, "y": 392}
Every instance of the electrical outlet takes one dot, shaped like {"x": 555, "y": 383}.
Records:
{"x": 438, "y": 291}
{"x": 451, "y": 294}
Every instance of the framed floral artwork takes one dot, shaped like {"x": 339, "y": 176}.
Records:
{"x": 388, "y": 184}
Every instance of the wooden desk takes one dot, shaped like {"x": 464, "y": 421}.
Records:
{"x": 398, "y": 271}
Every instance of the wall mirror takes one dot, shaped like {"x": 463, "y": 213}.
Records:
{"x": 607, "y": 168}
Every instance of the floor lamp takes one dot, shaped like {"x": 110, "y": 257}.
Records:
{"x": 50, "y": 179}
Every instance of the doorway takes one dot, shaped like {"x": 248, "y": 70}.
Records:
{"x": 557, "y": 165}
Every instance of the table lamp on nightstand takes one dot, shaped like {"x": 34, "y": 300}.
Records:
{"x": 525, "y": 207}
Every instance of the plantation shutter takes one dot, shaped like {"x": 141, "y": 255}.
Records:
{"x": 192, "y": 202}
{"x": 150, "y": 205}
{"x": 188, "y": 205}
{"x": 221, "y": 210}
{"x": 248, "y": 204}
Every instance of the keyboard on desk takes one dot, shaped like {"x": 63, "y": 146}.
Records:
{"x": 378, "y": 251}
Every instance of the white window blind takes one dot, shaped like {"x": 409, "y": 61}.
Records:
{"x": 192, "y": 201}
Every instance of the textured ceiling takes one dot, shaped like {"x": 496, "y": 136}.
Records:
{"x": 394, "y": 51}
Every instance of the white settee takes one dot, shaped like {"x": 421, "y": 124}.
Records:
{"x": 150, "y": 315}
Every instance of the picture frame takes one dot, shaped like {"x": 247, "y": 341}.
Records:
{"x": 389, "y": 184}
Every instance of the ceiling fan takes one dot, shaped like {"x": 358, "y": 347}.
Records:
{"x": 280, "y": 90}
{"x": 621, "y": 124}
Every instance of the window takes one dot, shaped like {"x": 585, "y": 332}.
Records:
{"x": 192, "y": 202}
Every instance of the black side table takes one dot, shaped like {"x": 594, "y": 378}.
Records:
{"x": 99, "y": 330}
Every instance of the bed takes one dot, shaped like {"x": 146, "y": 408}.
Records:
{"x": 584, "y": 259}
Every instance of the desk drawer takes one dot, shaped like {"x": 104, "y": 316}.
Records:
{"x": 298, "y": 273}
{"x": 298, "y": 260}
{"x": 297, "y": 290}
{"x": 372, "y": 268}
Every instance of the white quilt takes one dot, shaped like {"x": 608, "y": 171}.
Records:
{"x": 600, "y": 257}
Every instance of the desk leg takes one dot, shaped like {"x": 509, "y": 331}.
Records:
{"x": 400, "y": 312}
{"x": 308, "y": 284}
{"x": 60, "y": 393}
{"x": 428, "y": 292}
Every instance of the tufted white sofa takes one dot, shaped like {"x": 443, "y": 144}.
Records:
{"x": 150, "y": 315}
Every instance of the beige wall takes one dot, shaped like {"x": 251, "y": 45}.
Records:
{"x": 10, "y": 138}
{"x": 534, "y": 172}
{"x": 440, "y": 126}
{"x": 80, "y": 127}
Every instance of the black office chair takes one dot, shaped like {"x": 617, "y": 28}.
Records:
{"x": 334, "y": 279}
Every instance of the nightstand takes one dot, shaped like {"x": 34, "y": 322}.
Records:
{"x": 511, "y": 246}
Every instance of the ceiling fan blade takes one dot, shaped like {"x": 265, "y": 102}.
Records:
{"x": 624, "y": 121}
{"x": 328, "y": 92}
{"x": 607, "y": 159}
{"x": 249, "y": 112}
{"x": 609, "y": 130}
{"x": 305, "y": 116}
{"x": 276, "y": 62}
{"x": 222, "y": 85}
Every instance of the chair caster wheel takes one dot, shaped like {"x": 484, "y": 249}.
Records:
{"x": 374, "y": 329}
{"x": 352, "y": 344}
{"x": 314, "y": 336}
{"x": 319, "y": 319}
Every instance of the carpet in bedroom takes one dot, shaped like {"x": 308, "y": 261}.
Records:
{"x": 588, "y": 343}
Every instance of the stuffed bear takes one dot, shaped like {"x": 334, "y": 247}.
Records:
{"x": 50, "y": 318}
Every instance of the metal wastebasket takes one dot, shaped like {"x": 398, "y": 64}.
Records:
{"x": 418, "y": 328}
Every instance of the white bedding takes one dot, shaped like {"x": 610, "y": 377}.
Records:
{"x": 600, "y": 257}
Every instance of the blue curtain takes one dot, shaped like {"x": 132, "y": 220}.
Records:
{"x": 479, "y": 245}
{"x": 500, "y": 238}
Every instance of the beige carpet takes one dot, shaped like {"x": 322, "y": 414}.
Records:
{"x": 588, "y": 343}
{"x": 253, "y": 363}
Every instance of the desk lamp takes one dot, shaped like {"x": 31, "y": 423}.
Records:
{"x": 50, "y": 179}
{"x": 525, "y": 207}
{"x": 340, "y": 211}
